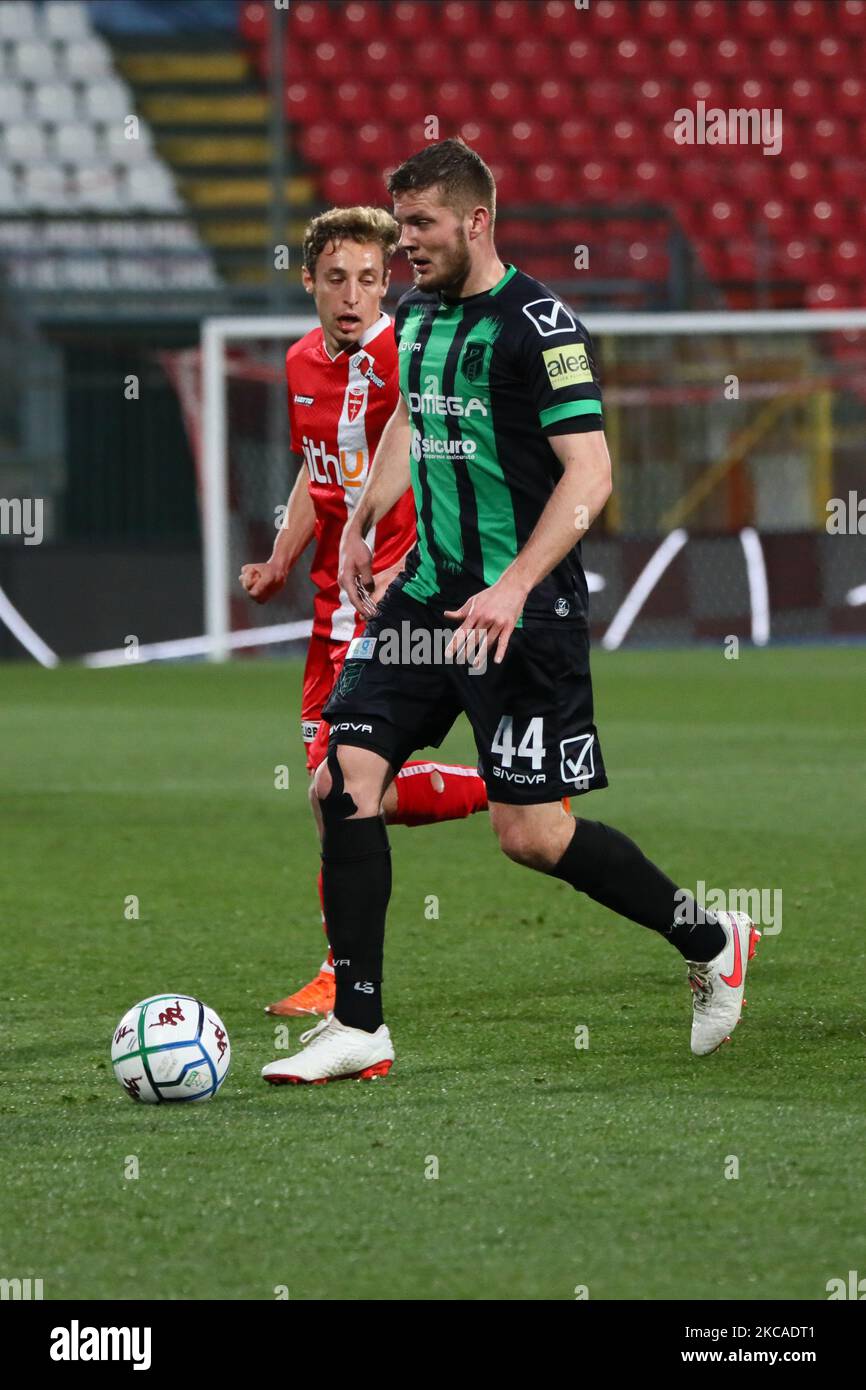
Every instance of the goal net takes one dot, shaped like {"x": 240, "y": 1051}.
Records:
{"x": 737, "y": 444}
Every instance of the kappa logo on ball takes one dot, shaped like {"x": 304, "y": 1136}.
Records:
{"x": 578, "y": 764}
{"x": 549, "y": 316}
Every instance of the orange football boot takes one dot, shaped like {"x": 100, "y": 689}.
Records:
{"x": 315, "y": 999}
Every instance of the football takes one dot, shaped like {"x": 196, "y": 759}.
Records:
{"x": 170, "y": 1047}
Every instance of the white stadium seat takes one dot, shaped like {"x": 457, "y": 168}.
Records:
{"x": 32, "y": 60}
{"x": 108, "y": 101}
{"x": 55, "y": 102}
{"x": 87, "y": 58}
{"x": 12, "y": 103}
{"x": 66, "y": 19}
{"x": 76, "y": 144}
{"x": 24, "y": 143}
{"x": 124, "y": 151}
{"x": 151, "y": 187}
{"x": 46, "y": 187}
{"x": 9, "y": 198}
{"x": 98, "y": 189}
{"x": 18, "y": 20}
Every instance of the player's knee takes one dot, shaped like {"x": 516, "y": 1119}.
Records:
{"x": 346, "y": 787}
{"x": 520, "y": 843}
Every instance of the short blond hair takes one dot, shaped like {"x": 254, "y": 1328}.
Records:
{"x": 352, "y": 224}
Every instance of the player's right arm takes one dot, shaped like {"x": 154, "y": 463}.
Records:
{"x": 388, "y": 479}
{"x": 265, "y": 579}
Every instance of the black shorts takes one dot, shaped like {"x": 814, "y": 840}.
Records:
{"x": 531, "y": 715}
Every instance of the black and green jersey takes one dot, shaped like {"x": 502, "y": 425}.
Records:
{"x": 487, "y": 379}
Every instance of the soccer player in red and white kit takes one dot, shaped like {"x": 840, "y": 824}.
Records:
{"x": 343, "y": 386}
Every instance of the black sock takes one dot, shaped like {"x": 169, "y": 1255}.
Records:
{"x": 356, "y": 887}
{"x": 606, "y": 865}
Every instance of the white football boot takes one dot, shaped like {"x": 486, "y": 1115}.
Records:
{"x": 718, "y": 984}
{"x": 333, "y": 1051}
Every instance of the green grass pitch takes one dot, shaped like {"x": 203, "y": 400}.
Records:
{"x": 602, "y": 1167}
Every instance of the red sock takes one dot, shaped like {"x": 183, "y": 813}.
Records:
{"x": 330, "y": 959}
{"x": 420, "y": 803}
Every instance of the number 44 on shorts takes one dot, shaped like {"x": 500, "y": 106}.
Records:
{"x": 577, "y": 766}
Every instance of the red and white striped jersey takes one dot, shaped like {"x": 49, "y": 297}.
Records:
{"x": 338, "y": 408}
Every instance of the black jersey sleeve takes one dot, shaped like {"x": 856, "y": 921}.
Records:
{"x": 559, "y": 367}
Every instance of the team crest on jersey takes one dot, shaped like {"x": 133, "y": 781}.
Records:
{"x": 473, "y": 360}
{"x": 355, "y": 403}
{"x": 349, "y": 677}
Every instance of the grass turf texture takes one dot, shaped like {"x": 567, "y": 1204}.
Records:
{"x": 557, "y": 1167}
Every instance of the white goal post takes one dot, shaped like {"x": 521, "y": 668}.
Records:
{"x": 218, "y": 332}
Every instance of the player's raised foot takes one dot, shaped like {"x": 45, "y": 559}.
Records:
{"x": 333, "y": 1052}
{"x": 315, "y": 1000}
{"x": 718, "y": 984}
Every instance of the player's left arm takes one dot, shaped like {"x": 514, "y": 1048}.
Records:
{"x": 572, "y": 507}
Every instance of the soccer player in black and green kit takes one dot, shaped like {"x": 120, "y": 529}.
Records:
{"x": 500, "y": 426}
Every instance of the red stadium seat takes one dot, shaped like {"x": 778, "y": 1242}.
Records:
{"x": 713, "y": 256}
{"x": 844, "y": 175}
{"x": 599, "y": 179}
{"x": 848, "y": 260}
{"x": 780, "y": 57}
{"x": 755, "y": 91}
{"x": 483, "y": 136}
{"x": 603, "y": 96}
{"x": 851, "y": 96}
{"x": 552, "y": 97}
{"x": 574, "y": 138}
{"x": 725, "y": 217}
{"x": 505, "y": 100}
{"x": 376, "y": 145}
{"x": 356, "y": 102}
{"x": 755, "y": 178}
{"x": 708, "y": 18}
{"x": 511, "y": 19}
{"x": 826, "y": 218}
{"x": 610, "y": 19}
{"x": 402, "y": 101}
{"x": 554, "y": 17}
{"x": 804, "y": 97}
{"x": 581, "y": 57}
{"x": 655, "y": 99}
{"x": 759, "y": 17}
{"x": 742, "y": 258}
{"x": 781, "y": 218}
{"x": 633, "y": 59}
{"x": 652, "y": 180}
{"x": 826, "y": 295}
{"x": 799, "y": 259}
{"x": 460, "y": 20}
{"x": 430, "y": 59}
{"x": 807, "y": 17}
{"x": 533, "y": 57}
{"x": 310, "y": 22}
{"x": 830, "y": 56}
{"x": 330, "y": 62}
{"x": 711, "y": 90}
{"x": 660, "y": 17}
{"x": 682, "y": 57}
{"x": 552, "y": 182}
{"x": 484, "y": 58}
{"x": 453, "y": 99}
{"x": 304, "y": 102}
{"x": 348, "y": 187}
{"x": 325, "y": 142}
{"x": 647, "y": 261}
{"x": 627, "y": 140}
{"x": 828, "y": 138}
{"x": 529, "y": 141}
{"x": 699, "y": 178}
{"x": 254, "y": 23}
{"x": 363, "y": 20}
{"x": 851, "y": 16}
{"x": 511, "y": 183}
{"x": 802, "y": 179}
{"x": 729, "y": 57}
{"x": 379, "y": 60}
{"x": 411, "y": 20}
